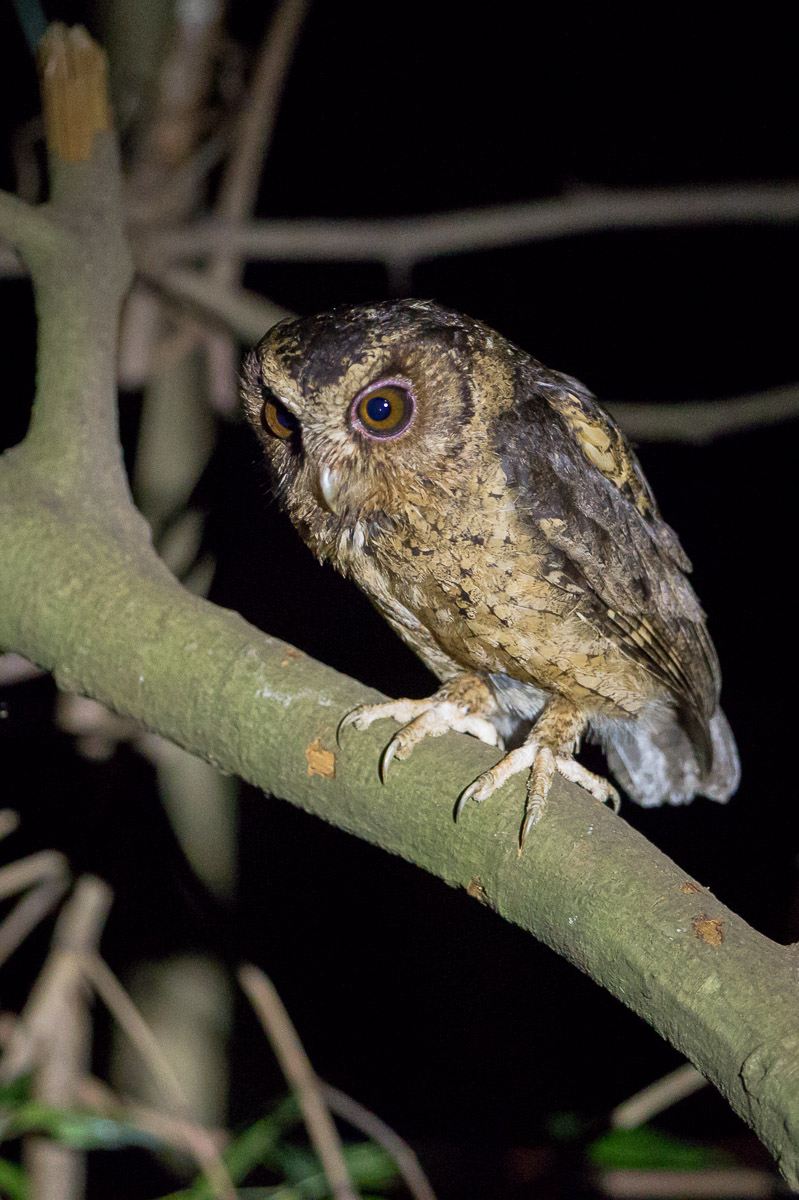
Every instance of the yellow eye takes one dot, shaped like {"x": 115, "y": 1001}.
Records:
{"x": 277, "y": 420}
{"x": 384, "y": 410}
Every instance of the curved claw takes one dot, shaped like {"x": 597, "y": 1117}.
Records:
{"x": 531, "y": 819}
{"x": 386, "y": 758}
{"x": 464, "y": 798}
{"x": 349, "y": 718}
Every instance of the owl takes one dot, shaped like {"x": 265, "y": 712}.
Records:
{"x": 497, "y": 517}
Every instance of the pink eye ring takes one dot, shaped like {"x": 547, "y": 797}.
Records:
{"x": 384, "y": 410}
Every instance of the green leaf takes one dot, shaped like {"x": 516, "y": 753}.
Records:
{"x": 257, "y": 1145}
{"x": 13, "y": 1181}
{"x": 647, "y": 1149}
{"x": 15, "y": 1093}
{"x": 78, "y": 1128}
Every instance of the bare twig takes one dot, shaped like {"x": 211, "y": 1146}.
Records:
{"x": 239, "y": 186}
{"x": 16, "y": 669}
{"x": 77, "y": 931}
{"x": 21, "y": 222}
{"x": 164, "y": 180}
{"x": 696, "y": 422}
{"x": 203, "y": 1145}
{"x": 301, "y": 1077}
{"x": 701, "y": 421}
{"x": 251, "y": 145}
{"x": 124, "y": 1011}
{"x": 170, "y": 162}
{"x": 27, "y": 872}
{"x": 57, "y": 1171}
{"x": 9, "y": 821}
{"x": 47, "y": 875}
{"x": 734, "y": 1184}
{"x": 414, "y": 239}
{"x": 657, "y": 1097}
{"x": 242, "y": 311}
{"x": 52, "y": 1035}
{"x": 369, "y": 1123}
{"x": 463, "y": 231}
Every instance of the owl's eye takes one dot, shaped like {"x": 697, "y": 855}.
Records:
{"x": 277, "y": 420}
{"x": 384, "y": 410}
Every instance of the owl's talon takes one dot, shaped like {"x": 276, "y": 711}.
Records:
{"x": 386, "y": 758}
{"x": 531, "y": 819}
{"x": 464, "y": 798}
{"x": 362, "y": 716}
{"x": 601, "y": 789}
{"x": 346, "y": 720}
{"x": 359, "y": 717}
{"x": 461, "y": 706}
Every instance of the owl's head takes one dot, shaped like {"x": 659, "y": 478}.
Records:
{"x": 362, "y": 408}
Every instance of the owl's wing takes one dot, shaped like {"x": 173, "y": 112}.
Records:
{"x": 579, "y": 481}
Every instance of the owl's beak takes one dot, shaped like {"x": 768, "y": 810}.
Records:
{"x": 330, "y": 484}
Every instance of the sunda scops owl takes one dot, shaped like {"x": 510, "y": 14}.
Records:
{"x": 499, "y": 520}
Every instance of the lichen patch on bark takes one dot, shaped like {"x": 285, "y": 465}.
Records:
{"x": 320, "y": 762}
{"x": 708, "y": 929}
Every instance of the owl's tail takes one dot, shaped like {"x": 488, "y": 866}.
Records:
{"x": 655, "y": 762}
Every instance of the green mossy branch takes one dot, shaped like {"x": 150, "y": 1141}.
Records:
{"x": 83, "y": 595}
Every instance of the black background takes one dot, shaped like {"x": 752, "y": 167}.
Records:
{"x": 459, "y": 1030}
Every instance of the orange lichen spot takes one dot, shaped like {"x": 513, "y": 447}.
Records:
{"x": 476, "y": 890}
{"x": 320, "y": 762}
{"x": 708, "y": 929}
{"x": 689, "y": 887}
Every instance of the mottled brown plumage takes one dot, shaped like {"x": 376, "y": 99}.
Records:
{"x": 498, "y": 519}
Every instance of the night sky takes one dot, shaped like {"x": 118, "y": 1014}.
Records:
{"x": 458, "y": 1029}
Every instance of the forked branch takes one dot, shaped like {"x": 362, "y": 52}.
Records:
{"x": 83, "y": 595}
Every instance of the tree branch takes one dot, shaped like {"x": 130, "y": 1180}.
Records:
{"x": 83, "y": 595}
{"x": 696, "y": 422}
{"x": 301, "y": 1077}
{"x": 239, "y": 187}
{"x": 702, "y": 421}
{"x": 462, "y": 231}
{"x": 243, "y": 312}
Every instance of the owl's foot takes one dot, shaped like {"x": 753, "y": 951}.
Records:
{"x": 460, "y": 706}
{"x": 548, "y": 749}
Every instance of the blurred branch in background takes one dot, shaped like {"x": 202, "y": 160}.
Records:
{"x": 402, "y": 242}
{"x": 298, "y": 1071}
{"x": 239, "y": 187}
{"x": 45, "y": 878}
{"x": 53, "y": 1037}
{"x": 67, "y": 1112}
{"x": 419, "y": 238}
